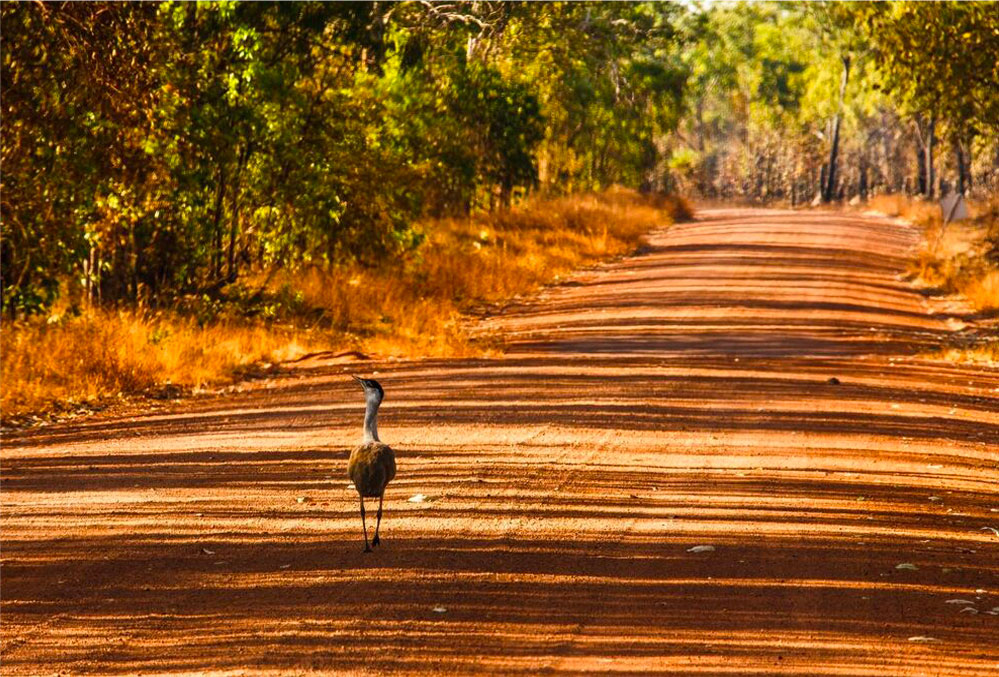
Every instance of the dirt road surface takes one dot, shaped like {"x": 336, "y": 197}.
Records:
{"x": 676, "y": 399}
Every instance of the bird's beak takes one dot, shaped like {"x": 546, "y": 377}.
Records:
{"x": 358, "y": 379}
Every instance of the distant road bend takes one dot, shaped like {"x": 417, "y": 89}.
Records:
{"x": 725, "y": 455}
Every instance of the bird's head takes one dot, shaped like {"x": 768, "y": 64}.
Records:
{"x": 372, "y": 389}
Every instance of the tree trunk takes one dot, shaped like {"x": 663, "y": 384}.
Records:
{"x": 217, "y": 225}
{"x": 920, "y": 163}
{"x": 830, "y": 187}
{"x": 792, "y": 184}
{"x": 92, "y": 271}
{"x": 233, "y": 232}
{"x": 962, "y": 167}
{"x": 930, "y": 142}
{"x": 862, "y": 180}
{"x": 133, "y": 264}
{"x": 244, "y": 157}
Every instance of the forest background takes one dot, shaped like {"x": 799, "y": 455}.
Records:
{"x": 191, "y": 190}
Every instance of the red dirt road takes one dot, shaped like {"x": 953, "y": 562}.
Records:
{"x": 675, "y": 399}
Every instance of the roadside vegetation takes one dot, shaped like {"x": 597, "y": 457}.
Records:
{"x": 812, "y": 103}
{"x": 191, "y": 189}
{"x": 156, "y": 151}
{"x": 891, "y": 105}
{"x": 414, "y": 305}
{"x": 963, "y": 257}
{"x": 957, "y": 258}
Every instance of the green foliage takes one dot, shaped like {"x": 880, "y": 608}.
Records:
{"x": 611, "y": 85}
{"x": 763, "y": 98}
{"x": 153, "y": 152}
{"x": 941, "y": 57}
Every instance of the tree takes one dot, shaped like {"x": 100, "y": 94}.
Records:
{"x": 942, "y": 60}
{"x": 153, "y": 152}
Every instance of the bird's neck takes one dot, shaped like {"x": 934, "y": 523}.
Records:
{"x": 371, "y": 422}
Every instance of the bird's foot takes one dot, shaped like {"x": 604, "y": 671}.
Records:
{"x": 367, "y": 548}
{"x": 376, "y": 540}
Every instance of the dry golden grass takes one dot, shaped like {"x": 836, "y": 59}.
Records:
{"x": 80, "y": 361}
{"x": 983, "y": 291}
{"x": 953, "y": 259}
{"x": 921, "y": 212}
{"x": 984, "y": 351}
{"x": 414, "y": 306}
{"x": 411, "y": 306}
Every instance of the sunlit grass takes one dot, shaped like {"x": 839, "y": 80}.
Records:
{"x": 953, "y": 258}
{"x": 410, "y": 306}
{"x": 101, "y": 355}
{"x": 921, "y": 212}
{"x": 414, "y": 305}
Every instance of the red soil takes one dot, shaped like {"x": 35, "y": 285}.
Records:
{"x": 675, "y": 399}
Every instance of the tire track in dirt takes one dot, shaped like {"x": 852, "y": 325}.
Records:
{"x": 676, "y": 398}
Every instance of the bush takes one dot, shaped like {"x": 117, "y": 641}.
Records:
{"x": 411, "y": 305}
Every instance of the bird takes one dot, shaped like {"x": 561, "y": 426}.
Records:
{"x": 372, "y": 464}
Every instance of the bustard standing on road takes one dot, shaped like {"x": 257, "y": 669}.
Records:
{"x": 372, "y": 465}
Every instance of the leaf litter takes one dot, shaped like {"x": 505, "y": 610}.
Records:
{"x": 702, "y": 548}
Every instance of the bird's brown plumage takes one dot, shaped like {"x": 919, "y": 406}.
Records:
{"x": 371, "y": 467}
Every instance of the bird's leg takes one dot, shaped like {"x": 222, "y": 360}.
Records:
{"x": 376, "y": 540}
{"x": 367, "y": 548}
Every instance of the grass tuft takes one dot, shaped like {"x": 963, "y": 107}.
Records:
{"x": 959, "y": 258}
{"x": 62, "y": 364}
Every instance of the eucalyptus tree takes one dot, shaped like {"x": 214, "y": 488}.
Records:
{"x": 941, "y": 62}
{"x": 156, "y": 152}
